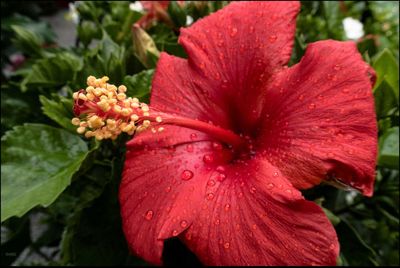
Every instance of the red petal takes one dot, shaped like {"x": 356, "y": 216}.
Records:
{"x": 232, "y": 53}
{"x": 257, "y": 218}
{"x": 319, "y": 118}
{"x": 163, "y": 183}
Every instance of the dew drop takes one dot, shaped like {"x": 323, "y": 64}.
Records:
{"x": 189, "y": 148}
{"x": 184, "y": 224}
{"x": 217, "y": 222}
{"x": 233, "y": 31}
{"x": 227, "y": 207}
{"x": 270, "y": 185}
{"x": 332, "y": 246}
{"x": 149, "y": 215}
{"x": 168, "y": 189}
{"x": 252, "y": 190}
{"x": 227, "y": 245}
{"x": 221, "y": 177}
{"x": 336, "y": 67}
{"x": 211, "y": 183}
{"x": 208, "y": 158}
{"x": 220, "y": 169}
{"x": 186, "y": 175}
{"x": 272, "y": 38}
{"x": 240, "y": 195}
{"x": 217, "y": 146}
{"x": 251, "y": 29}
{"x": 210, "y": 196}
{"x": 311, "y": 106}
{"x": 288, "y": 191}
{"x": 275, "y": 174}
{"x": 193, "y": 136}
{"x": 254, "y": 226}
{"x": 174, "y": 233}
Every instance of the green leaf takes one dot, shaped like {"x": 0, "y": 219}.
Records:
{"x": 387, "y": 69}
{"x": 356, "y": 251}
{"x": 37, "y": 163}
{"x": 335, "y": 220}
{"x": 60, "y": 110}
{"x": 53, "y": 72}
{"x": 389, "y": 148}
{"x": 177, "y": 14}
{"x": 27, "y": 41}
{"x": 87, "y": 31}
{"x": 138, "y": 85}
{"x": 385, "y": 99}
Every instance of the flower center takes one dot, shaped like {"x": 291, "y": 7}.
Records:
{"x": 104, "y": 111}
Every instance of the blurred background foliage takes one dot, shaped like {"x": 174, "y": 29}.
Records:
{"x": 59, "y": 201}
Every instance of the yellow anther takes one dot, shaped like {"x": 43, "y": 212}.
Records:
{"x": 121, "y": 96}
{"x": 159, "y": 119}
{"x": 80, "y": 130}
{"x": 75, "y": 121}
{"x": 134, "y": 117}
{"x": 110, "y": 122}
{"x": 127, "y": 128}
{"x": 153, "y": 130}
{"x": 112, "y": 87}
{"x": 89, "y": 134}
{"x": 89, "y": 89}
{"x": 95, "y": 122}
{"x": 97, "y": 91}
{"x": 117, "y": 109}
{"x": 145, "y": 108}
{"x": 146, "y": 114}
{"x": 160, "y": 129}
{"x": 125, "y": 112}
{"x": 104, "y": 79}
{"x": 112, "y": 101}
{"x": 75, "y": 95}
{"x": 82, "y": 96}
{"x": 91, "y": 80}
{"x": 103, "y": 98}
{"x": 135, "y": 105}
{"x": 83, "y": 124}
{"x": 135, "y": 100}
{"x": 90, "y": 96}
{"x": 110, "y": 95}
{"x": 146, "y": 123}
{"x": 122, "y": 89}
{"x": 99, "y": 136}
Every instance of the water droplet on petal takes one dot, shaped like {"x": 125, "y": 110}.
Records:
{"x": 210, "y": 196}
{"x": 208, "y": 158}
{"x": 272, "y": 38}
{"x": 221, "y": 177}
{"x": 175, "y": 233}
{"x": 189, "y": 148}
{"x": 227, "y": 207}
{"x": 220, "y": 169}
{"x": 149, "y": 215}
{"x": 211, "y": 183}
{"x": 275, "y": 174}
{"x": 252, "y": 190}
{"x": 336, "y": 67}
{"x": 217, "y": 222}
{"x": 186, "y": 175}
{"x": 311, "y": 106}
{"x": 233, "y": 31}
{"x": 251, "y": 29}
{"x": 168, "y": 189}
{"x": 193, "y": 136}
{"x": 217, "y": 146}
{"x": 184, "y": 224}
{"x": 227, "y": 245}
{"x": 270, "y": 185}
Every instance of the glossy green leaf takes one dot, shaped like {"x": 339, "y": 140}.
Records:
{"x": 60, "y": 110}
{"x": 355, "y": 250}
{"x": 177, "y": 14}
{"x": 332, "y": 217}
{"x": 37, "y": 163}
{"x": 27, "y": 41}
{"x": 53, "y": 72}
{"x": 389, "y": 149}
{"x": 87, "y": 31}
{"x": 387, "y": 69}
{"x": 385, "y": 99}
{"x": 138, "y": 85}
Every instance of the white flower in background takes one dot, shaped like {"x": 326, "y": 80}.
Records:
{"x": 73, "y": 13}
{"x": 137, "y": 6}
{"x": 350, "y": 197}
{"x": 353, "y": 28}
{"x": 189, "y": 20}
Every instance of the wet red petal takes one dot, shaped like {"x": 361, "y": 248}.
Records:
{"x": 163, "y": 183}
{"x": 319, "y": 118}
{"x": 255, "y": 217}
{"x": 232, "y": 53}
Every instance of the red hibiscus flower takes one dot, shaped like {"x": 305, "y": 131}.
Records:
{"x": 242, "y": 135}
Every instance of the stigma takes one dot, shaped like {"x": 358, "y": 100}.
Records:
{"x": 103, "y": 111}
